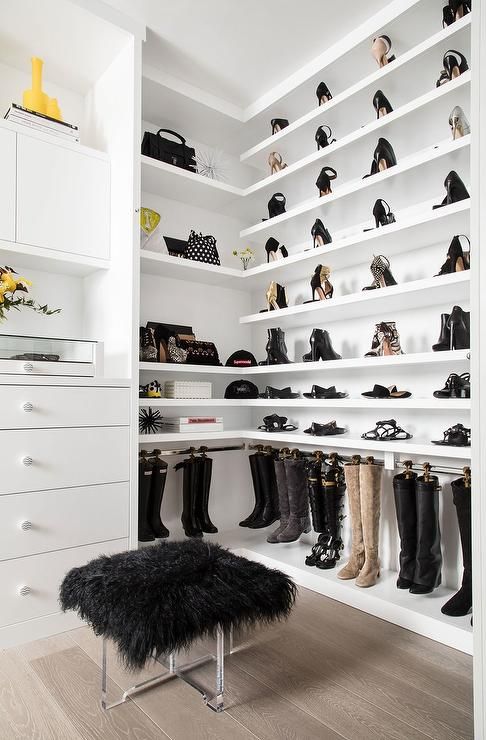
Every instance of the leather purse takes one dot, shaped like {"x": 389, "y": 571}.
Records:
{"x": 175, "y": 247}
{"x": 196, "y": 352}
{"x": 176, "y": 153}
{"x": 202, "y": 249}
{"x": 162, "y": 334}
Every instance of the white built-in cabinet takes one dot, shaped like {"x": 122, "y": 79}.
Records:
{"x": 8, "y": 140}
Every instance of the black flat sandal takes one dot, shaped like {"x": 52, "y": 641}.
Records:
{"x": 270, "y": 392}
{"x": 456, "y": 436}
{"x": 316, "y": 552}
{"x": 319, "y": 392}
{"x": 456, "y": 386}
{"x": 386, "y": 430}
{"x": 381, "y": 391}
{"x": 276, "y": 423}
{"x": 324, "y": 430}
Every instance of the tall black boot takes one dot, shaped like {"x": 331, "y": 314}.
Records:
{"x": 316, "y": 496}
{"x": 332, "y": 544}
{"x": 270, "y": 511}
{"x": 190, "y": 471}
{"x": 460, "y": 604}
{"x": 257, "y": 489}
{"x": 145, "y": 533}
{"x": 406, "y": 508}
{"x": 157, "y": 486}
{"x": 427, "y": 575}
{"x": 202, "y": 497}
{"x": 283, "y": 501}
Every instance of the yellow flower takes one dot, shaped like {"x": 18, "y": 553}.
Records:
{"x": 8, "y": 282}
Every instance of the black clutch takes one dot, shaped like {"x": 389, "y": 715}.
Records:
{"x": 175, "y": 247}
{"x": 176, "y": 153}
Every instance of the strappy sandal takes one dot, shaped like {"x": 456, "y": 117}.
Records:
{"x": 319, "y": 392}
{"x": 387, "y": 430}
{"x": 276, "y": 423}
{"x": 324, "y": 430}
{"x": 456, "y": 436}
{"x": 381, "y": 391}
{"x": 316, "y": 553}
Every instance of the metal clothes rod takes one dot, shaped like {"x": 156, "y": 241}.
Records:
{"x": 191, "y": 450}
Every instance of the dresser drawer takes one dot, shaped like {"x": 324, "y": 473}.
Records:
{"x": 63, "y": 458}
{"x": 29, "y": 587}
{"x": 30, "y": 407}
{"x": 32, "y": 523}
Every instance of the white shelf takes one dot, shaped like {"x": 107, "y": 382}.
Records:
{"x": 154, "y": 263}
{"x": 432, "y": 404}
{"x": 168, "y": 437}
{"x": 417, "y": 159}
{"x": 415, "y": 294}
{"x": 355, "y": 363}
{"x": 49, "y": 260}
{"x": 160, "y": 178}
{"x": 251, "y": 156}
{"x": 420, "y": 614}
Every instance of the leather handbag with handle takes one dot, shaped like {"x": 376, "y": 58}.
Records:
{"x": 176, "y": 153}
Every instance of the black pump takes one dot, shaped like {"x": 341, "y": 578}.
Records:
{"x": 457, "y": 260}
{"x": 323, "y": 93}
{"x": 383, "y": 157}
{"x": 320, "y": 234}
{"x": 276, "y": 205}
{"x": 278, "y": 124}
{"x": 321, "y": 347}
{"x": 323, "y": 138}
{"x": 323, "y": 182}
{"x": 455, "y": 190}
{"x": 272, "y": 248}
{"x": 381, "y": 104}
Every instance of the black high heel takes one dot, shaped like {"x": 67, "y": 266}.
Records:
{"x": 321, "y": 347}
{"x": 459, "y": 323}
{"x": 276, "y": 296}
{"x": 276, "y": 349}
{"x": 460, "y": 8}
{"x": 455, "y": 190}
{"x": 276, "y": 205}
{"x": 323, "y": 138}
{"x": 457, "y": 260}
{"x": 272, "y": 248}
{"x": 320, "y": 283}
{"x": 278, "y": 124}
{"x": 454, "y": 64}
{"x": 383, "y": 157}
{"x": 382, "y": 275}
{"x": 382, "y": 213}
{"x": 381, "y": 104}
{"x": 447, "y": 16}
{"x": 323, "y": 182}
{"x": 320, "y": 234}
{"x": 323, "y": 93}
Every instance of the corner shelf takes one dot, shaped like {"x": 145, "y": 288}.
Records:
{"x": 432, "y": 404}
{"x": 164, "y": 265}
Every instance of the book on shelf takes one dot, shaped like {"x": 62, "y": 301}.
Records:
{"x": 40, "y": 122}
{"x": 193, "y": 423}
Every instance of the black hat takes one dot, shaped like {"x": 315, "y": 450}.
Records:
{"x": 241, "y": 389}
{"x": 241, "y": 358}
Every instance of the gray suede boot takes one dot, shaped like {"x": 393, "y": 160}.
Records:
{"x": 283, "y": 501}
{"x": 299, "y": 520}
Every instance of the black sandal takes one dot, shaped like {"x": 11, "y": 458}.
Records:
{"x": 381, "y": 391}
{"x": 276, "y": 423}
{"x": 324, "y": 430}
{"x": 319, "y": 392}
{"x": 316, "y": 552}
{"x": 456, "y": 436}
{"x": 271, "y": 392}
{"x": 387, "y": 430}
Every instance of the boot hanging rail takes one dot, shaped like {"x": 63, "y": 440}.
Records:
{"x": 190, "y": 451}
{"x": 407, "y": 464}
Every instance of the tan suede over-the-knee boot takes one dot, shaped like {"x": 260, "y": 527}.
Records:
{"x": 357, "y": 557}
{"x": 370, "y": 487}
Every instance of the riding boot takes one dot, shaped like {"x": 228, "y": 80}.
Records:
{"x": 145, "y": 533}
{"x": 257, "y": 489}
{"x": 202, "y": 498}
{"x": 427, "y": 575}
{"x": 406, "y": 508}
{"x": 283, "y": 501}
{"x": 357, "y": 556}
{"x": 157, "y": 486}
{"x": 461, "y": 602}
{"x": 299, "y": 520}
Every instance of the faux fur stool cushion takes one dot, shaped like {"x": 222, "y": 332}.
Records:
{"x": 164, "y": 597}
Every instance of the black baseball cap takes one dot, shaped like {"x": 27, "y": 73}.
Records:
{"x": 241, "y": 389}
{"x": 241, "y": 358}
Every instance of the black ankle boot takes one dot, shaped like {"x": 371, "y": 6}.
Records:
{"x": 270, "y": 511}
{"x": 460, "y": 604}
{"x": 334, "y": 489}
{"x": 459, "y": 323}
{"x": 321, "y": 347}
{"x": 147, "y": 345}
{"x": 257, "y": 489}
{"x": 145, "y": 533}
{"x": 427, "y": 575}
{"x": 276, "y": 348}
{"x": 444, "y": 341}
{"x": 202, "y": 498}
{"x": 190, "y": 484}
{"x": 405, "y": 505}
{"x": 157, "y": 486}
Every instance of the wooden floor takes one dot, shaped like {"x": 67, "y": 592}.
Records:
{"x": 330, "y": 672}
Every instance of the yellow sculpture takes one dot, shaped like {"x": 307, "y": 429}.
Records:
{"x": 36, "y": 99}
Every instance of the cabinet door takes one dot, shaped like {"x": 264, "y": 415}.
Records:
{"x": 63, "y": 198}
{"x": 7, "y": 184}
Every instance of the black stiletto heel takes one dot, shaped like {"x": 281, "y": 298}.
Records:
{"x": 455, "y": 190}
{"x": 272, "y": 248}
{"x": 457, "y": 260}
{"x": 323, "y": 182}
{"x": 320, "y": 283}
{"x": 381, "y": 104}
{"x": 382, "y": 213}
{"x": 320, "y": 234}
{"x": 276, "y": 205}
{"x": 454, "y": 64}
{"x": 383, "y": 157}
{"x": 323, "y": 93}
{"x": 278, "y": 124}
{"x": 323, "y": 138}
{"x": 382, "y": 275}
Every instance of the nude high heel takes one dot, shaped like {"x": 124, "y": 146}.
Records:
{"x": 275, "y": 162}
{"x": 380, "y": 49}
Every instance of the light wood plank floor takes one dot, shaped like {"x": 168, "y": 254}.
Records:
{"x": 330, "y": 672}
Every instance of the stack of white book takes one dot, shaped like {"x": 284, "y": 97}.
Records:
{"x": 193, "y": 424}
{"x": 187, "y": 389}
{"x": 39, "y": 122}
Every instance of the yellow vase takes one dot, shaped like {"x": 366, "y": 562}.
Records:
{"x": 35, "y": 99}
{"x": 53, "y": 109}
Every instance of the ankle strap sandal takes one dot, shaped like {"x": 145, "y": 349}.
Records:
{"x": 456, "y": 436}
{"x": 320, "y": 392}
{"x": 387, "y": 430}
{"x": 324, "y": 430}
{"x": 276, "y": 423}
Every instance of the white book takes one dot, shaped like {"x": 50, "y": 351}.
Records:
{"x": 39, "y": 127}
{"x": 184, "y": 428}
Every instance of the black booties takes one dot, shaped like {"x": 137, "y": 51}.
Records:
{"x": 266, "y": 510}
{"x": 460, "y": 604}
{"x": 157, "y": 487}
{"x": 276, "y": 348}
{"x": 321, "y": 347}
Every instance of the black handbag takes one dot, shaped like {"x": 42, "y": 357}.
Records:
{"x": 193, "y": 351}
{"x": 173, "y": 152}
{"x": 175, "y": 247}
{"x": 202, "y": 249}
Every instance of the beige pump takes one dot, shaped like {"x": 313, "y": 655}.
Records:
{"x": 370, "y": 489}
{"x": 357, "y": 557}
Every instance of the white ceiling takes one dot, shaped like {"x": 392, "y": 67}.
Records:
{"x": 239, "y": 49}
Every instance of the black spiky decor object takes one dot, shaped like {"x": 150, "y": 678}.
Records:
{"x": 149, "y": 421}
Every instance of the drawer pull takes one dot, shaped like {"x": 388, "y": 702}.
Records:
{"x": 28, "y": 367}
{"x": 27, "y": 460}
{"x": 27, "y": 406}
{"x": 24, "y": 590}
{"x": 25, "y": 525}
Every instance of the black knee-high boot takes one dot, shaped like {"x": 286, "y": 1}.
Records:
{"x": 202, "y": 497}
{"x": 190, "y": 477}
{"x": 270, "y": 511}
{"x": 460, "y": 604}
{"x": 157, "y": 487}
{"x": 257, "y": 489}
{"x": 316, "y": 496}
{"x": 427, "y": 575}
{"x": 406, "y": 508}
{"x": 145, "y": 533}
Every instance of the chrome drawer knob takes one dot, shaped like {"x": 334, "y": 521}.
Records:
{"x": 28, "y": 367}
{"x": 25, "y": 525}
{"x": 27, "y": 460}
{"x": 24, "y": 590}
{"x": 27, "y": 407}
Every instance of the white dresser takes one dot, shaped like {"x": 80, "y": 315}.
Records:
{"x": 64, "y": 492}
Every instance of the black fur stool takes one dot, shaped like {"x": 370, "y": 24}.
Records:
{"x": 156, "y": 602}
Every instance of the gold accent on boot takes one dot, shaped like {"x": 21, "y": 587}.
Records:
{"x": 357, "y": 557}
{"x": 370, "y": 487}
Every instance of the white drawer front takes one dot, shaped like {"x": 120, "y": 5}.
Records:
{"x": 32, "y": 523}
{"x": 31, "y": 407}
{"x": 29, "y": 587}
{"x": 31, "y": 367}
{"x": 63, "y": 458}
